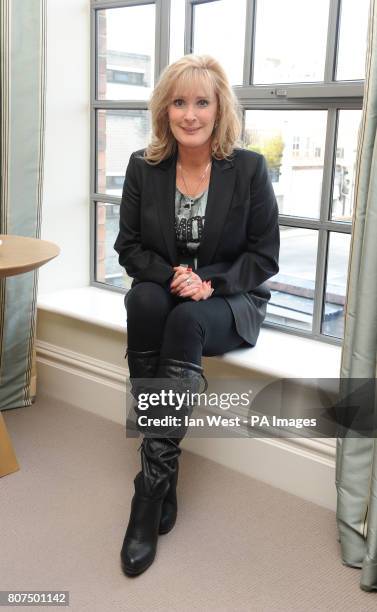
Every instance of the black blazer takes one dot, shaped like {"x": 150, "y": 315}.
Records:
{"x": 240, "y": 243}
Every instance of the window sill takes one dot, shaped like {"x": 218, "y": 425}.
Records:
{"x": 276, "y": 354}
{"x": 88, "y": 304}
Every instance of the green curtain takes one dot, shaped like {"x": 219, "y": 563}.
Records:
{"x": 356, "y": 458}
{"x": 22, "y": 110}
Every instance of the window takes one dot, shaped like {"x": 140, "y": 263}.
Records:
{"x": 124, "y": 71}
{"x": 300, "y": 84}
{"x": 125, "y": 76}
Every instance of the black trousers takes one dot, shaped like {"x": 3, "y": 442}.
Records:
{"x": 179, "y": 327}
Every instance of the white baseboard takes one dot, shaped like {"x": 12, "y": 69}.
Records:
{"x": 303, "y": 467}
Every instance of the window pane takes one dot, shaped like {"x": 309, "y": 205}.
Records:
{"x": 177, "y": 30}
{"x": 336, "y": 284}
{"x": 119, "y": 133}
{"x": 292, "y": 289}
{"x": 125, "y": 61}
{"x": 290, "y": 42}
{"x": 345, "y": 165}
{"x": 107, "y": 226}
{"x": 219, "y": 30}
{"x": 352, "y": 40}
{"x": 293, "y": 143}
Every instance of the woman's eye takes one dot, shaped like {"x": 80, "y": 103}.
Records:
{"x": 180, "y": 102}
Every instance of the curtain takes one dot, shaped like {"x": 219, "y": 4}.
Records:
{"x": 22, "y": 113}
{"x": 356, "y": 458}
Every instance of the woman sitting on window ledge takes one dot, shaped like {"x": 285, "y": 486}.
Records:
{"x": 199, "y": 235}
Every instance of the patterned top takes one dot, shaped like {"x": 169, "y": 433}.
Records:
{"x": 189, "y": 225}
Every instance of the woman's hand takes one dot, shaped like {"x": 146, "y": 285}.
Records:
{"x": 201, "y": 293}
{"x": 179, "y": 282}
{"x": 196, "y": 289}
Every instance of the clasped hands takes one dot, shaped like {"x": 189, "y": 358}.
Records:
{"x": 187, "y": 284}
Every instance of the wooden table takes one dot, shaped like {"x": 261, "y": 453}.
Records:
{"x": 18, "y": 255}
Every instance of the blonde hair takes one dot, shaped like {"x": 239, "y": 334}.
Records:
{"x": 188, "y": 70}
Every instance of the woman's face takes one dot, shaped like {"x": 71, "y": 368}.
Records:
{"x": 192, "y": 115}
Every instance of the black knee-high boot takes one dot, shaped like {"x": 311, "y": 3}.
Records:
{"x": 159, "y": 457}
{"x": 143, "y": 365}
{"x": 151, "y": 485}
{"x": 186, "y": 376}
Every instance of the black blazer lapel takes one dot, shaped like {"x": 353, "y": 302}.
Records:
{"x": 164, "y": 181}
{"x": 220, "y": 193}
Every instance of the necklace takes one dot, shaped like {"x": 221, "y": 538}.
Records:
{"x": 189, "y": 200}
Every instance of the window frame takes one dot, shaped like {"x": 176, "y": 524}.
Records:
{"x": 328, "y": 95}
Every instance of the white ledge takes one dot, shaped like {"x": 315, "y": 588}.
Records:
{"x": 89, "y": 304}
{"x": 276, "y": 353}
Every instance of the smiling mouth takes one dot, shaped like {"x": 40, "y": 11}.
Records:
{"x": 190, "y": 131}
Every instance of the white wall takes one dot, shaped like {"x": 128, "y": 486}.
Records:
{"x": 65, "y": 213}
